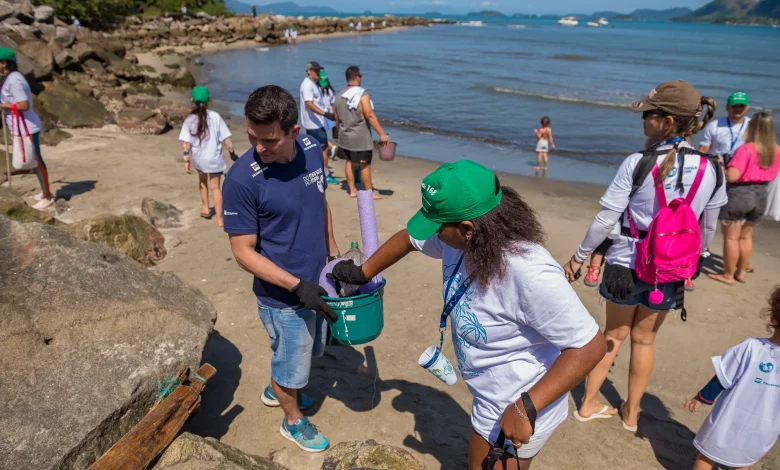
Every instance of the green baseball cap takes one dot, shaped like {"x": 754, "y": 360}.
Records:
{"x": 324, "y": 78}
{"x": 200, "y": 94}
{"x": 455, "y": 192}
{"x": 7, "y": 54}
{"x": 737, "y": 98}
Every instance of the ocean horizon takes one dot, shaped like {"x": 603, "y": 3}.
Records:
{"x": 478, "y": 89}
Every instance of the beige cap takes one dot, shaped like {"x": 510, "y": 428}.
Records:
{"x": 676, "y": 98}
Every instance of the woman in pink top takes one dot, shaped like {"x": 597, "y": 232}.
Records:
{"x": 748, "y": 173}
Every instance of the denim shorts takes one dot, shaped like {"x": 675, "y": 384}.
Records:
{"x": 296, "y": 335}
{"x": 321, "y": 135}
{"x": 641, "y": 293}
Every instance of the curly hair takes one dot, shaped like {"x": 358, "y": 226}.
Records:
{"x": 502, "y": 232}
{"x": 773, "y": 311}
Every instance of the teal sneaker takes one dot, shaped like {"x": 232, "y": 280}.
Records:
{"x": 332, "y": 180}
{"x": 269, "y": 399}
{"x": 305, "y": 435}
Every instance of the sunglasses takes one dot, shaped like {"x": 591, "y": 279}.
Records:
{"x": 646, "y": 114}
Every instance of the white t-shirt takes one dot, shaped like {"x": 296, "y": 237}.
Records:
{"x": 16, "y": 89}
{"x": 644, "y": 205}
{"x": 326, "y": 104}
{"x": 723, "y": 139}
{"x": 310, "y": 92}
{"x": 294, "y": 34}
{"x": 206, "y": 155}
{"x": 507, "y": 337}
{"x": 745, "y": 422}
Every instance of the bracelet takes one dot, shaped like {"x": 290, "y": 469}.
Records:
{"x": 522, "y": 415}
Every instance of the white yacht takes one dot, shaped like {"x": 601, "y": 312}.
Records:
{"x": 568, "y": 21}
{"x": 599, "y": 23}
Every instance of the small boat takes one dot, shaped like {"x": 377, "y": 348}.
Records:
{"x": 603, "y": 21}
{"x": 599, "y": 23}
{"x": 593, "y": 24}
{"x": 568, "y": 21}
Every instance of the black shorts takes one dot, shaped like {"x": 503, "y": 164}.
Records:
{"x": 604, "y": 247}
{"x": 747, "y": 202}
{"x": 359, "y": 156}
{"x": 641, "y": 293}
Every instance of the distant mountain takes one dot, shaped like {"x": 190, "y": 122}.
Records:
{"x": 524, "y": 15}
{"x": 606, "y": 14}
{"x": 624, "y": 18}
{"x": 290, "y": 8}
{"x": 486, "y": 13}
{"x": 745, "y": 11}
{"x": 659, "y": 15}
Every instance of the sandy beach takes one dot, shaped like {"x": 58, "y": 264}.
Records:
{"x": 378, "y": 391}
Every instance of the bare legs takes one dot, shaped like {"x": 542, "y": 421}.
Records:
{"x": 704, "y": 463}
{"x": 732, "y": 232}
{"x": 479, "y": 449}
{"x": 642, "y": 324}
{"x": 212, "y": 181}
{"x": 350, "y": 170}
{"x": 288, "y": 400}
{"x": 365, "y": 176}
{"x": 541, "y": 157}
{"x": 745, "y": 250}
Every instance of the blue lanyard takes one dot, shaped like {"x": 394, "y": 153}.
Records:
{"x": 676, "y": 140}
{"x": 733, "y": 139}
{"x": 449, "y": 305}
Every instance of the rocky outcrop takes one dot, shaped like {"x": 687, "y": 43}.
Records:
{"x": 368, "y": 455}
{"x": 191, "y": 452}
{"x": 87, "y": 333}
{"x": 126, "y": 233}
{"x": 141, "y": 121}
{"x": 161, "y": 214}
{"x": 14, "y": 206}
{"x": 66, "y": 107}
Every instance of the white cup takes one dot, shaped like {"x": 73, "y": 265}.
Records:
{"x": 433, "y": 361}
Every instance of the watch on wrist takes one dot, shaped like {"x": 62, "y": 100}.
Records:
{"x": 530, "y": 410}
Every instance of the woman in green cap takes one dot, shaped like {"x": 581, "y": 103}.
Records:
{"x": 521, "y": 336}
{"x": 15, "y": 94}
{"x": 328, "y": 97}
{"x": 202, "y": 135}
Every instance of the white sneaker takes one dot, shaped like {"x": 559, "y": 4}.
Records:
{"x": 43, "y": 204}
{"x": 39, "y": 196}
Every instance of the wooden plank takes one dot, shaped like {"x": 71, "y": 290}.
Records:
{"x": 152, "y": 435}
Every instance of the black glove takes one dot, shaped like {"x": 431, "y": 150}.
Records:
{"x": 347, "y": 272}
{"x": 330, "y": 116}
{"x": 311, "y": 297}
{"x": 233, "y": 156}
{"x": 619, "y": 282}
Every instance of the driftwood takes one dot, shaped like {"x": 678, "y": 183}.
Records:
{"x": 152, "y": 435}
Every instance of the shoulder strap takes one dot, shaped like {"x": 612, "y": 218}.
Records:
{"x": 643, "y": 168}
{"x": 714, "y": 161}
{"x": 697, "y": 181}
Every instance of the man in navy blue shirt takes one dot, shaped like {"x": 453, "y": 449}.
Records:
{"x": 280, "y": 230}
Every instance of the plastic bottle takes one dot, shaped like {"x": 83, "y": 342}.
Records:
{"x": 356, "y": 256}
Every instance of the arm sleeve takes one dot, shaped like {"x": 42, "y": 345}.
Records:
{"x": 597, "y": 233}
{"x": 730, "y": 366}
{"x": 617, "y": 195}
{"x": 224, "y": 132}
{"x": 307, "y": 93}
{"x": 710, "y": 392}
{"x": 431, "y": 247}
{"x": 551, "y": 307}
{"x": 185, "y": 135}
{"x": 708, "y": 134}
{"x": 240, "y": 207}
{"x": 708, "y": 225}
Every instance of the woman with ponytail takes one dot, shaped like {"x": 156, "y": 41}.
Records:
{"x": 668, "y": 166}
{"x": 202, "y": 135}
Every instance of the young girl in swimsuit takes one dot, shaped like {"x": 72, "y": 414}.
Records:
{"x": 545, "y": 143}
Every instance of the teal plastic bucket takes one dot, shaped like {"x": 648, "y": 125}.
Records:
{"x": 360, "y": 318}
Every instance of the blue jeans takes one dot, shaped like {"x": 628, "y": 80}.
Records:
{"x": 296, "y": 335}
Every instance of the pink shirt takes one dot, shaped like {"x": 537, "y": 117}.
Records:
{"x": 745, "y": 160}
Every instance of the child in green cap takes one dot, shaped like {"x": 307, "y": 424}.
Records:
{"x": 327, "y": 98}
{"x": 521, "y": 336}
{"x": 202, "y": 136}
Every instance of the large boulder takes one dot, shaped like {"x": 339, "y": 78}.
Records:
{"x": 127, "y": 233}
{"x": 64, "y": 37}
{"x": 13, "y": 205}
{"x": 87, "y": 333}
{"x": 191, "y": 452}
{"x": 161, "y": 214}
{"x": 25, "y": 65}
{"x": 368, "y": 455}
{"x": 40, "y": 55}
{"x": 6, "y": 11}
{"x": 68, "y": 108}
{"x": 141, "y": 121}
{"x": 179, "y": 78}
{"x": 44, "y": 14}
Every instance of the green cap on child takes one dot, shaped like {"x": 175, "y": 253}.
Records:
{"x": 200, "y": 94}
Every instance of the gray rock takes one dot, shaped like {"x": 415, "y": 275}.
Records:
{"x": 64, "y": 37}
{"x": 180, "y": 78}
{"x": 65, "y": 59}
{"x": 24, "y": 17}
{"x": 127, "y": 233}
{"x": 61, "y": 206}
{"x": 368, "y": 455}
{"x": 86, "y": 333}
{"x": 44, "y": 14}
{"x": 161, "y": 214}
{"x": 141, "y": 121}
{"x": 14, "y": 206}
{"x": 40, "y": 55}
{"x": 11, "y": 21}
{"x": 53, "y": 138}
{"x": 66, "y": 107}
{"x": 191, "y": 452}
{"x": 6, "y": 11}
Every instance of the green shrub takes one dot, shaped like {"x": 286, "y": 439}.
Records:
{"x": 98, "y": 13}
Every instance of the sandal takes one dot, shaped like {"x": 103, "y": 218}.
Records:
{"x": 592, "y": 278}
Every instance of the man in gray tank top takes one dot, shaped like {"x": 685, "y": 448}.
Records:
{"x": 354, "y": 114}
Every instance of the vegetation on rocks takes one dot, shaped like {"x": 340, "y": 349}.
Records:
{"x": 103, "y": 12}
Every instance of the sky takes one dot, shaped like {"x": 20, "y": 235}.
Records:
{"x": 505, "y": 6}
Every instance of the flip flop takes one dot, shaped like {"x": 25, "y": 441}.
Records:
{"x": 205, "y": 216}
{"x": 750, "y": 271}
{"x": 715, "y": 278}
{"x": 626, "y": 426}
{"x": 599, "y": 415}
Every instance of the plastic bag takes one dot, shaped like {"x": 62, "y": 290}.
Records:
{"x": 24, "y": 149}
{"x": 773, "y": 199}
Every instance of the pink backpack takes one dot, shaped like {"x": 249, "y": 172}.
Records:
{"x": 670, "y": 250}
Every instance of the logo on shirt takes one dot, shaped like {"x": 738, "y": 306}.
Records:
{"x": 257, "y": 169}
{"x": 229, "y": 213}
{"x": 672, "y": 173}
{"x": 766, "y": 367}
{"x": 308, "y": 143}
{"x": 315, "y": 177}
